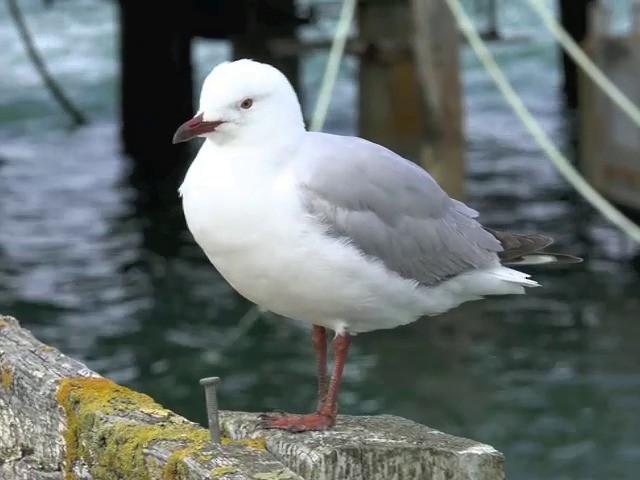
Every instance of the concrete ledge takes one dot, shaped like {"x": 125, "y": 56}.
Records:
{"x": 60, "y": 420}
{"x": 380, "y": 447}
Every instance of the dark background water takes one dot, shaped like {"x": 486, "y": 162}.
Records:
{"x": 552, "y": 379}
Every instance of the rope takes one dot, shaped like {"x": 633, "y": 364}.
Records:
{"x": 38, "y": 62}
{"x": 558, "y": 159}
{"x": 333, "y": 63}
{"x": 590, "y": 68}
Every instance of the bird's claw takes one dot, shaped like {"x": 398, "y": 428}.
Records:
{"x": 295, "y": 423}
{"x": 293, "y": 429}
{"x": 274, "y": 413}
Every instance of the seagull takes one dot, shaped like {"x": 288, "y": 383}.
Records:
{"x": 335, "y": 231}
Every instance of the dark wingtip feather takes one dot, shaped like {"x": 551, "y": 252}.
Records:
{"x": 527, "y": 249}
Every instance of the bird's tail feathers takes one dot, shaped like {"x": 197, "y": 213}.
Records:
{"x": 542, "y": 258}
{"x": 514, "y": 277}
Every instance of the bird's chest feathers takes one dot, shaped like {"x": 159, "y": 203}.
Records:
{"x": 249, "y": 227}
{"x": 234, "y": 210}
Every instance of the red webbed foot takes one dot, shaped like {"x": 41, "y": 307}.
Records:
{"x": 296, "y": 423}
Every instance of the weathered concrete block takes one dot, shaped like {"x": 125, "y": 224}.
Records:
{"x": 383, "y": 447}
{"x": 60, "y": 420}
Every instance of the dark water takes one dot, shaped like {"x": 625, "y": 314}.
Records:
{"x": 552, "y": 379}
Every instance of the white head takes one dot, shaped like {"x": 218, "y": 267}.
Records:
{"x": 243, "y": 103}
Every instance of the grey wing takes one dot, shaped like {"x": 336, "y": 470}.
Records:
{"x": 391, "y": 209}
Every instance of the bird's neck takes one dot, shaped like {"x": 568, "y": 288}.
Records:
{"x": 276, "y": 151}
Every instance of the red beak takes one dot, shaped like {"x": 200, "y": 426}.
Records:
{"x": 194, "y": 127}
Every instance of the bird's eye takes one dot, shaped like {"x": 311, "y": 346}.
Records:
{"x": 246, "y": 103}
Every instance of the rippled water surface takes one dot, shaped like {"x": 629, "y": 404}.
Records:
{"x": 552, "y": 379}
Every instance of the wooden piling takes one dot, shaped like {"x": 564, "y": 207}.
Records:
{"x": 609, "y": 141}
{"x": 410, "y": 94}
{"x": 156, "y": 86}
{"x": 574, "y": 18}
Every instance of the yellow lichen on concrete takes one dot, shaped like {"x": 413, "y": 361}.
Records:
{"x": 223, "y": 470}
{"x": 175, "y": 467}
{"x": 111, "y": 445}
{"x": 260, "y": 442}
{"x": 6, "y": 375}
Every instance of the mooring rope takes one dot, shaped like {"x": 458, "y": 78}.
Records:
{"x": 336, "y": 55}
{"x": 41, "y": 67}
{"x": 561, "y": 163}
{"x": 591, "y": 69}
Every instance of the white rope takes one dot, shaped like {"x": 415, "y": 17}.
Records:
{"x": 244, "y": 324}
{"x": 530, "y": 123}
{"x": 333, "y": 63}
{"x": 319, "y": 116}
{"x": 590, "y": 68}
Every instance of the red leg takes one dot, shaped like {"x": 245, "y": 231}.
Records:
{"x": 325, "y": 417}
{"x": 319, "y": 335}
{"x": 340, "y": 345}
